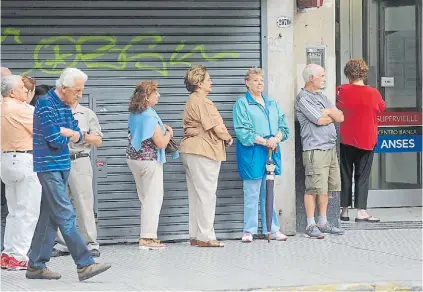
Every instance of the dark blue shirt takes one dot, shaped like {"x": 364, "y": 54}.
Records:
{"x": 51, "y": 151}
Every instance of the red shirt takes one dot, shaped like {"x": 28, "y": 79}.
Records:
{"x": 361, "y": 106}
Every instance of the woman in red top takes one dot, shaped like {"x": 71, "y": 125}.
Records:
{"x": 361, "y": 105}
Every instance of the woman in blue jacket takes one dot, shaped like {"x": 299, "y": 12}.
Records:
{"x": 259, "y": 125}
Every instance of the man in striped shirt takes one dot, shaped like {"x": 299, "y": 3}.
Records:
{"x": 54, "y": 128}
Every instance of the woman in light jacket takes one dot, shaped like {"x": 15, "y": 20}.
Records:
{"x": 148, "y": 138}
{"x": 259, "y": 125}
{"x": 202, "y": 151}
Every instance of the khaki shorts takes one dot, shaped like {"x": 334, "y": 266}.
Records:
{"x": 322, "y": 174}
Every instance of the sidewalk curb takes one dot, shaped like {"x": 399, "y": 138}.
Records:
{"x": 389, "y": 286}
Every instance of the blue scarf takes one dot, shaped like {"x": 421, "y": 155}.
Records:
{"x": 142, "y": 126}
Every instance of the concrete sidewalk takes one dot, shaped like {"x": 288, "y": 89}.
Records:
{"x": 382, "y": 258}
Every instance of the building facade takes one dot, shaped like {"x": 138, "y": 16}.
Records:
{"x": 118, "y": 43}
{"x": 388, "y": 35}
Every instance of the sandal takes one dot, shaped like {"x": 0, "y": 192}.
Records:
{"x": 150, "y": 243}
{"x": 210, "y": 243}
{"x": 369, "y": 219}
{"x": 345, "y": 218}
{"x": 193, "y": 241}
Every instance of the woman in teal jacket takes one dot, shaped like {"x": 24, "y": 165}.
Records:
{"x": 259, "y": 125}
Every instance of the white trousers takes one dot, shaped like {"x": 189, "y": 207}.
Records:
{"x": 202, "y": 175}
{"x": 23, "y": 194}
{"x": 80, "y": 190}
{"x": 148, "y": 176}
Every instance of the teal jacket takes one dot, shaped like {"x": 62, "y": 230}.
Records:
{"x": 251, "y": 119}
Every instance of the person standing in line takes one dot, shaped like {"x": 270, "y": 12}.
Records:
{"x": 361, "y": 105}
{"x": 259, "y": 125}
{"x": 80, "y": 183}
{"x": 4, "y": 72}
{"x": 23, "y": 189}
{"x": 40, "y": 90}
{"x": 54, "y": 128}
{"x": 145, "y": 155}
{"x": 317, "y": 115}
{"x": 202, "y": 152}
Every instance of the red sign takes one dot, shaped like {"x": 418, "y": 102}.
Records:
{"x": 302, "y": 4}
{"x": 400, "y": 119}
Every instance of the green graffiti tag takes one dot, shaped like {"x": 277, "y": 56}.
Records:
{"x": 52, "y": 54}
{"x": 16, "y": 33}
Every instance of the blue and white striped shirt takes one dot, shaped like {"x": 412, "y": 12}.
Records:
{"x": 51, "y": 151}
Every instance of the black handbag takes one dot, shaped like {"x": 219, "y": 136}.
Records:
{"x": 173, "y": 146}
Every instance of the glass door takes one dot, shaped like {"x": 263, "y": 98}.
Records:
{"x": 395, "y": 59}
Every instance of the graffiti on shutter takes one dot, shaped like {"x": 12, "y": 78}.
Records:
{"x": 58, "y": 59}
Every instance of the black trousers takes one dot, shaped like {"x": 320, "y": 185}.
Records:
{"x": 360, "y": 161}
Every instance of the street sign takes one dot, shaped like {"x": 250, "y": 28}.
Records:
{"x": 392, "y": 144}
{"x": 399, "y": 132}
{"x": 283, "y": 22}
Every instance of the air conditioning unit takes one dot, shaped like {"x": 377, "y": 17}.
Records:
{"x": 303, "y": 4}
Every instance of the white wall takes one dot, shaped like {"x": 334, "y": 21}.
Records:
{"x": 316, "y": 27}
{"x": 286, "y": 58}
{"x": 281, "y": 84}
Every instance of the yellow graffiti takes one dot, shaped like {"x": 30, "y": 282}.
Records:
{"x": 51, "y": 56}
{"x": 16, "y": 33}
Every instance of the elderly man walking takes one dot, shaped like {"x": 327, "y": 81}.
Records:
{"x": 54, "y": 128}
{"x": 23, "y": 190}
{"x": 317, "y": 115}
{"x": 81, "y": 179}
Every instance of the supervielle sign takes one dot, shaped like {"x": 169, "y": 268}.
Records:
{"x": 399, "y": 132}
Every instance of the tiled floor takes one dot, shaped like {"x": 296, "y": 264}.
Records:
{"x": 356, "y": 257}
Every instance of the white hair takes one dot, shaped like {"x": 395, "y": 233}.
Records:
{"x": 8, "y": 83}
{"x": 68, "y": 76}
{"x": 311, "y": 70}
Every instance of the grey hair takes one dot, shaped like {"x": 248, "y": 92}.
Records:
{"x": 8, "y": 83}
{"x": 311, "y": 70}
{"x": 253, "y": 71}
{"x": 68, "y": 76}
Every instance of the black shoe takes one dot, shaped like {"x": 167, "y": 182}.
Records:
{"x": 59, "y": 253}
{"x": 345, "y": 218}
{"x": 95, "y": 253}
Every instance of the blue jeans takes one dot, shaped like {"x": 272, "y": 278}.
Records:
{"x": 56, "y": 212}
{"x": 255, "y": 191}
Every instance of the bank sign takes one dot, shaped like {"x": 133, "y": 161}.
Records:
{"x": 399, "y": 132}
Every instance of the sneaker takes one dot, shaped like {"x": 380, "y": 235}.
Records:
{"x": 150, "y": 244}
{"x": 278, "y": 236}
{"x": 95, "y": 253}
{"x": 92, "y": 270}
{"x": 58, "y": 253}
{"x": 330, "y": 229}
{"x": 15, "y": 265}
{"x": 313, "y": 232}
{"x": 4, "y": 260}
{"x": 247, "y": 238}
{"x": 42, "y": 274}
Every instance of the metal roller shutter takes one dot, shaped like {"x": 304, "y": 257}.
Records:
{"x": 118, "y": 43}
